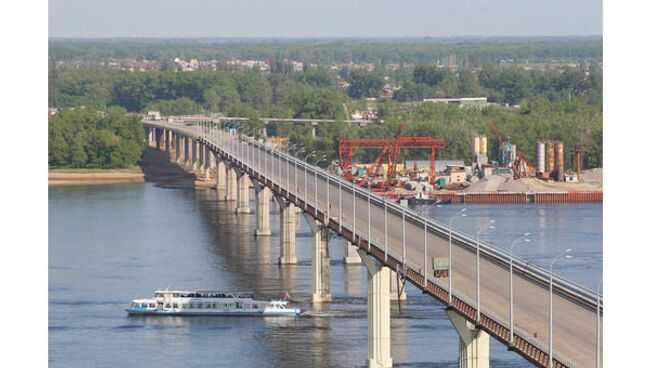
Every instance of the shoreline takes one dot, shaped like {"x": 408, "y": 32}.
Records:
{"x": 69, "y": 177}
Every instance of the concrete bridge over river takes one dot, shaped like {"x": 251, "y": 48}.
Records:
{"x": 489, "y": 294}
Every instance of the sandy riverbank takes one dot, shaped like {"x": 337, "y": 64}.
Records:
{"x": 59, "y": 177}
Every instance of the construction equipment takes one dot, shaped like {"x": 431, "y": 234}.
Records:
{"x": 390, "y": 149}
{"x": 522, "y": 167}
{"x": 505, "y": 148}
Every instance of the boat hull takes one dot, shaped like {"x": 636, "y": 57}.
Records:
{"x": 153, "y": 312}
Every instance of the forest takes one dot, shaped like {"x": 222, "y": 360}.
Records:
{"x": 528, "y": 104}
{"x": 469, "y": 52}
{"x": 87, "y": 138}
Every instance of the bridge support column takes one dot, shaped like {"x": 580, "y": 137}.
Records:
{"x": 351, "y": 254}
{"x": 474, "y": 344}
{"x": 262, "y": 202}
{"x": 201, "y": 161}
{"x": 168, "y": 142}
{"x": 195, "y": 155}
{"x": 313, "y": 130}
{"x": 320, "y": 261}
{"x": 288, "y": 221}
{"x": 379, "y": 355}
{"x": 243, "y": 187}
{"x": 231, "y": 184}
{"x": 177, "y": 147}
{"x": 158, "y": 135}
{"x": 209, "y": 162}
{"x": 221, "y": 186}
{"x": 188, "y": 151}
{"x": 150, "y": 132}
{"x": 397, "y": 287}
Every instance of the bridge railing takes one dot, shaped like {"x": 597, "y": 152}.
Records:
{"x": 283, "y": 170}
{"x": 488, "y": 250}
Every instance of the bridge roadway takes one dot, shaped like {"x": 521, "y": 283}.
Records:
{"x": 397, "y": 238}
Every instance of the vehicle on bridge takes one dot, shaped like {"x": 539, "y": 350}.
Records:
{"x": 209, "y": 303}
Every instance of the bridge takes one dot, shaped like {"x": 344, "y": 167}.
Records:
{"x": 197, "y": 119}
{"x": 550, "y": 321}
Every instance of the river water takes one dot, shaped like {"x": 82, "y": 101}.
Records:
{"x": 110, "y": 244}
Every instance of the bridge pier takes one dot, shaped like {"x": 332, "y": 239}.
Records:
{"x": 351, "y": 254}
{"x": 201, "y": 157}
{"x": 313, "y": 129}
{"x": 211, "y": 160}
{"x": 157, "y": 134}
{"x": 231, "y": 184}
{"x": 221, "y": 186}
{"x": 243, "y": 200}
{"x": 262, "y": 202}
{"x": 320, "y": 261}
{"x": 168, "y": 142}
{"x": 177, "y": 147}
{"x": 149, "y": 133}
{"x": 397, "y": 287}
{"x": 187, "y": 151}
{"x": 288, "y": 221}
{"x": 379, "y": 354}
{"x": 474, "y": 343}
{"x": 195, "y": 156}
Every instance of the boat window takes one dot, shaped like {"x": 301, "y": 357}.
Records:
{"x": 184, "y": 305}
{"x": 191, "y": 305}
{"x": 167, "y": 305}
{"x": 175, "y": 306}
{"x": 255, "y": 306}
{"x": 199, "y": 305}
{"x": 239, "y": 305}
{"x": 152, "y": 305}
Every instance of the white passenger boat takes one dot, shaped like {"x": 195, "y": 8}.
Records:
{"x": 209, "y": 303}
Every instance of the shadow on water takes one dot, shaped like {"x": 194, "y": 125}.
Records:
{"x": 158, "y": 169}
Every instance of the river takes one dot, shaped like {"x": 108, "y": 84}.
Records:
{"x": 110, "y": 244}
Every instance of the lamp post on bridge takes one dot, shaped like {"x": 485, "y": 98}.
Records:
{"x": 324, "y": 157}
{"x": 305, "y": 171}
{"x": 564, "y": 255}
{"x": 295, "y": 170}
{"x": 487, "y": 226}
{"x": 598, "y": 301}
{"x": 461, "y": 213}
{"x": 523, "y": 238}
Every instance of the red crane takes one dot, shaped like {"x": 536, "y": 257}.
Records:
{"x": 390, "y": 148}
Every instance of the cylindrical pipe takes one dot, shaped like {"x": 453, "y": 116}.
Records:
{"x": 550, "y": 158}
{"x": 541, "y": 164}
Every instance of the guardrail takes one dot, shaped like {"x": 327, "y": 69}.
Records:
{"x": 230, "y": 145}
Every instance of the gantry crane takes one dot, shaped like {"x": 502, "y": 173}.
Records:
{"x": 390, "y": 148}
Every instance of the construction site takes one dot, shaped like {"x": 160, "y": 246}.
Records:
{"x": 508, "y": 178}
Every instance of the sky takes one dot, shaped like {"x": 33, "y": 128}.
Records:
{"x": 323, "y": 18}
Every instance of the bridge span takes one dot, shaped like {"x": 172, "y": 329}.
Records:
{"x": 565, "y": 329}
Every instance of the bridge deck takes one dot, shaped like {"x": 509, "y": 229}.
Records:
{"x": 397, "y": 236}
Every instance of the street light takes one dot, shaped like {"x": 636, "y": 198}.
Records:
{"x": 564, "y": 255}
{"x": 523, "y": 238}
{"x": 598, "y": 291}
{"x": 461, "y": 213}
{"x": 305, "y": 171}
{"x": 295, "y": 170}
{"x": 487, "y": 226}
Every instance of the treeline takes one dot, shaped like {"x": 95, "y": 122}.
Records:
{"x": 310, "y": 94}
{"x": 574, "y": 121}
{"x": 87, "y": 138}
{"x": 564, "y": 104}
{"x": 313, "y": 93}
{"x": 504, "y": 84}
{"x": 467, "y": 52}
